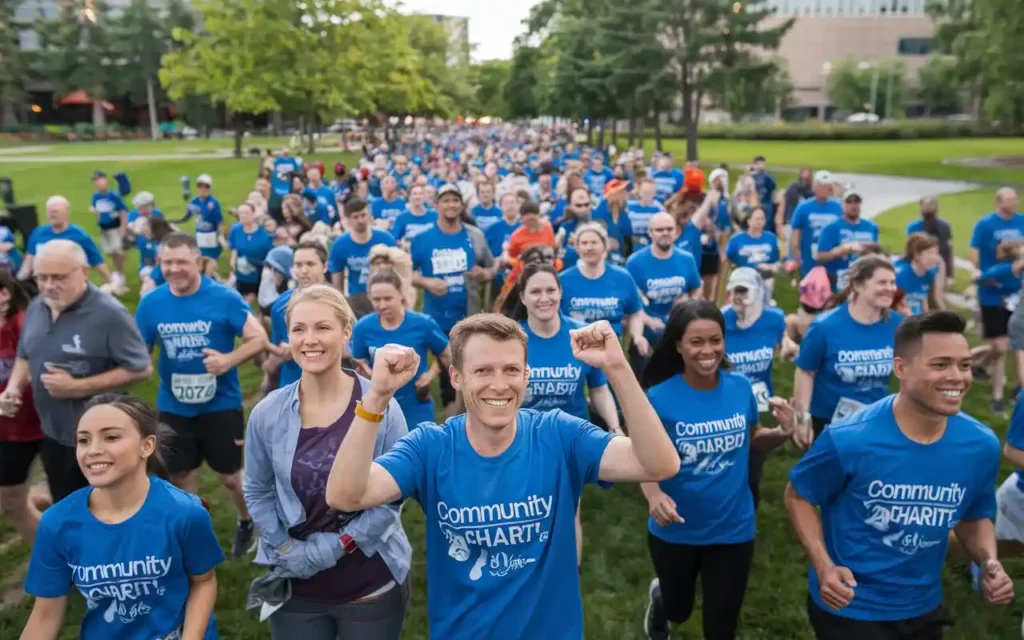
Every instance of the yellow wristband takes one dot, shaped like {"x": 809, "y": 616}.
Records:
{"x": 369, "y": 416}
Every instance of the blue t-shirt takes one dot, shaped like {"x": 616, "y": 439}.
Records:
{"x": 486, "y": 216}
{"x": 810, "y": 217}
{"x": 915, "y": 287}
{"x": 252, "y": 251}
{"x": 11, "y": 258}
{"x": 711, "y": 430}
{"x": 639, "y": 219}
{"x": 354, "y": 258}
{"x": 1001, "y": 279}
{"x": 662, "y": 281}
{"x": 280, "y": 176}
{"x": 610, "y": 297}
{"x": 210, "y": 318}
{"x": 668, "y": 182}
{"x": 108, "y": 204}
{"x": 765, "y": 184}
{"x": 43, "y": 234}
{"x": 315, "y": 210}
{"x": 595, "y": 180}
{"x": 988, "y": 233}
{"x": 448, "y": 256}
{"x": 382, "y": 209}
{"x": 850, "y": 360}
{"x": 408, "y": 225}
{"x": 556, "y": 376}
{"x": 752, "y": 350}
{"x": 690, "y": 240}
{"x": 208, "y": 217}
{"x": 289, "y": 371}
{"x": 746, "y": 251}
{"x": 838, "y": 233}
{"x": 1015, "y": 434}
{"x": 722, "y": 222}
{"x": 498, "y": 235}
{"x": 326, "y": 199}
{"x": 418, "y": 332}
{"x": 618, "y": 230}
{"x": 888, "y": 504}
{"x": 501, "y": 542}
{"x": 147, "y": 248}
{"x": 134, "y": 575}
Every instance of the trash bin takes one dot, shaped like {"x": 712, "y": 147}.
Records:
{"x": 7, "y": 191}
{"x": 26, "y": 219}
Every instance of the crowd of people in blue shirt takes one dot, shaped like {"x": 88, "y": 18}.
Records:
{"x": 589, "y": 316}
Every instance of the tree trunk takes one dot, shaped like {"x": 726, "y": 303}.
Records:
{"x": 689, "y": 125}
{"x": 657, "y": 129}
{"x": 600, "y": 136}
{"x": 615, "y": 133}
{"x": 154, "y": 131}
{"x": 8, "y": 117}
{"x": 632, "y": 130}
{"x": 590, "y": 133}
{"x": 239, "y": 131}
{"x": 99, "y": 118}
{"x": 277, "y": 122}
{"x": 311, "y": 123}
{"x": 641, "y": 124}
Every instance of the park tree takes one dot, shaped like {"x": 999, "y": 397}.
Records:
{"x": 77, "y": 51}
{"x": 769, "y": 90}
{"x": 489, "y": 80}
{"x": 242, "y": 58}
{"x": 14, "y": 72}
{"x": 878, "y": 87}
{"x": 520, "y": 91}
{"x": 938, "y": 85}
{"x": 709, "y": 41}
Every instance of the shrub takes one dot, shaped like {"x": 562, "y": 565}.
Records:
{"x": 901, "y": 130}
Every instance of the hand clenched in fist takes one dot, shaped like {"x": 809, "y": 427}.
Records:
{"x": 598, "y": 346}
{"x": 393, "y": 366}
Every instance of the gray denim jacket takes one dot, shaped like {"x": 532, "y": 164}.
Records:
{"x": 270, "y": 443}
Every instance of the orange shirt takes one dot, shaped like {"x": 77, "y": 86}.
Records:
{"x": 522, "y": 239}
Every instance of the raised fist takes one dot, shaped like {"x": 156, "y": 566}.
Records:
{"x": 597, "y": 345}
{"x": 393, "y": 366}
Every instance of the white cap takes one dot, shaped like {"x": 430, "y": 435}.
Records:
{"x": 823, "y": 177}
{"x": 142, "y": 199}
{"x": 851, "y": 192}
{"x": 204, "y": 179}
{"x": 744, "y": 277}
{"x": 717, "y": 173}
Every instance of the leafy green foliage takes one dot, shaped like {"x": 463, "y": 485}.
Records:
{"x": 938, "y": 85}
{"x": 850, "y": 87}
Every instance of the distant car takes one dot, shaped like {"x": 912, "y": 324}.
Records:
{"x": 863, "y": 118}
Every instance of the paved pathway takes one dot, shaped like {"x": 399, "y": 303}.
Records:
{"x": 11, "y": 158}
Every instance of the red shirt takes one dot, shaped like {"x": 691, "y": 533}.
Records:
{"x": 25, "y": 426}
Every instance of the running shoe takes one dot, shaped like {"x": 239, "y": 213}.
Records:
{"x": 245, "y": 539}
{"x": 980, "y": 374}
{"x": 655, "y": 622}
{"x": 998, "y": 408}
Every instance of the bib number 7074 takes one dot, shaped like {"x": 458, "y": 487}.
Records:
{"x": 194, "y": 389}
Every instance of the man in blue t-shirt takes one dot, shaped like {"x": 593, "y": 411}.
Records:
{"x": 766, "y": 192}
{"x": 196, "y": 320}
{"x": 844, "y": 240}
{"x": 112, "y": 217}
{"x": 809, "y": 218}
{"x": 350, "y": 253}
{"x": 892, "y": 481}
{"x": 1004, "y": 224}
{"x": 499, "y": 485}
{"x": 58, "y": 215}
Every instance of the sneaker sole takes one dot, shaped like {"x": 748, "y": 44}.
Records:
{"x": 650, "y": 606}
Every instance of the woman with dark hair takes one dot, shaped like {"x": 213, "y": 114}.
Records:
{"x": 557, "y": 377}
{"x": 20, "y": 436}
{"x": 916, "y": 273}
{"x": 845, "y": 360}
{"x": 140, "y": 550}
{"x": 702, "y": 522}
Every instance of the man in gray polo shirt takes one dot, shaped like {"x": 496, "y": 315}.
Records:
{"x": 77, "y": 342}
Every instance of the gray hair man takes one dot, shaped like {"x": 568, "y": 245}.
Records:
{"x": 77, "y": 342}
{"x": 59, "y": 227}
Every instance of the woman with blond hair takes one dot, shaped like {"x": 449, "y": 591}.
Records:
{"x": 346, "y": 572}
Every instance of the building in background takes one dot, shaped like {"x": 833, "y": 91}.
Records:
{"x": 458, "y": 37}
{"x": 826, "y": 32}
{"x": 28, "y": 11}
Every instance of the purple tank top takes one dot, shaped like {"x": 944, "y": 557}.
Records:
{"x": 355, "y": 575}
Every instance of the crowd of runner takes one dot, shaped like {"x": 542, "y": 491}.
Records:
{"x": 589, "y": 316}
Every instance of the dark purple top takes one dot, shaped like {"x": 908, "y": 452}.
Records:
{"x": 355, "y": 575}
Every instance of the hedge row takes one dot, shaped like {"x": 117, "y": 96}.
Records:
{"x": 902, "y": 130}
{"x": 78, "y": 131}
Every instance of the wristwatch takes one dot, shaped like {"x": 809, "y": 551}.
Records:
{"x": 348, "y": 544}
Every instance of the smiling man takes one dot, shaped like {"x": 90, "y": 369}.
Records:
{"x": 500, "y": 485}
{"x": 891, "y": 482}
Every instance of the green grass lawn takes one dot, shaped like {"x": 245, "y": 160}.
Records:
{"x": 130, "y": 147}
{"x": 917, "y": 158}
{"x": 616, "y": 566}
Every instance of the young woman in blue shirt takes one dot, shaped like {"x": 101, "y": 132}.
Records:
{"x": 703, "y": 520}
{"x": 140, "y": 551}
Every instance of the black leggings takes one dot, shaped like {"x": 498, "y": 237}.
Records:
{"x": 723, "y": 571}
{"x": 829, "y": 626}
{"x": 756, "y": 470}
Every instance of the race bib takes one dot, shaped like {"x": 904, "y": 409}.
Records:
{"x": 449, "y": 262}
{"x": 207, "y": 239}
{"x": 244, "y": 266}
{"x": 814, "y": 251}
{"x": 846, "y": 407}
{"x": 761, "y": 393}
{"x": 1010, "y": 302}
{"x": 705, "y": 239}
{"x": 193, "y": 389}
